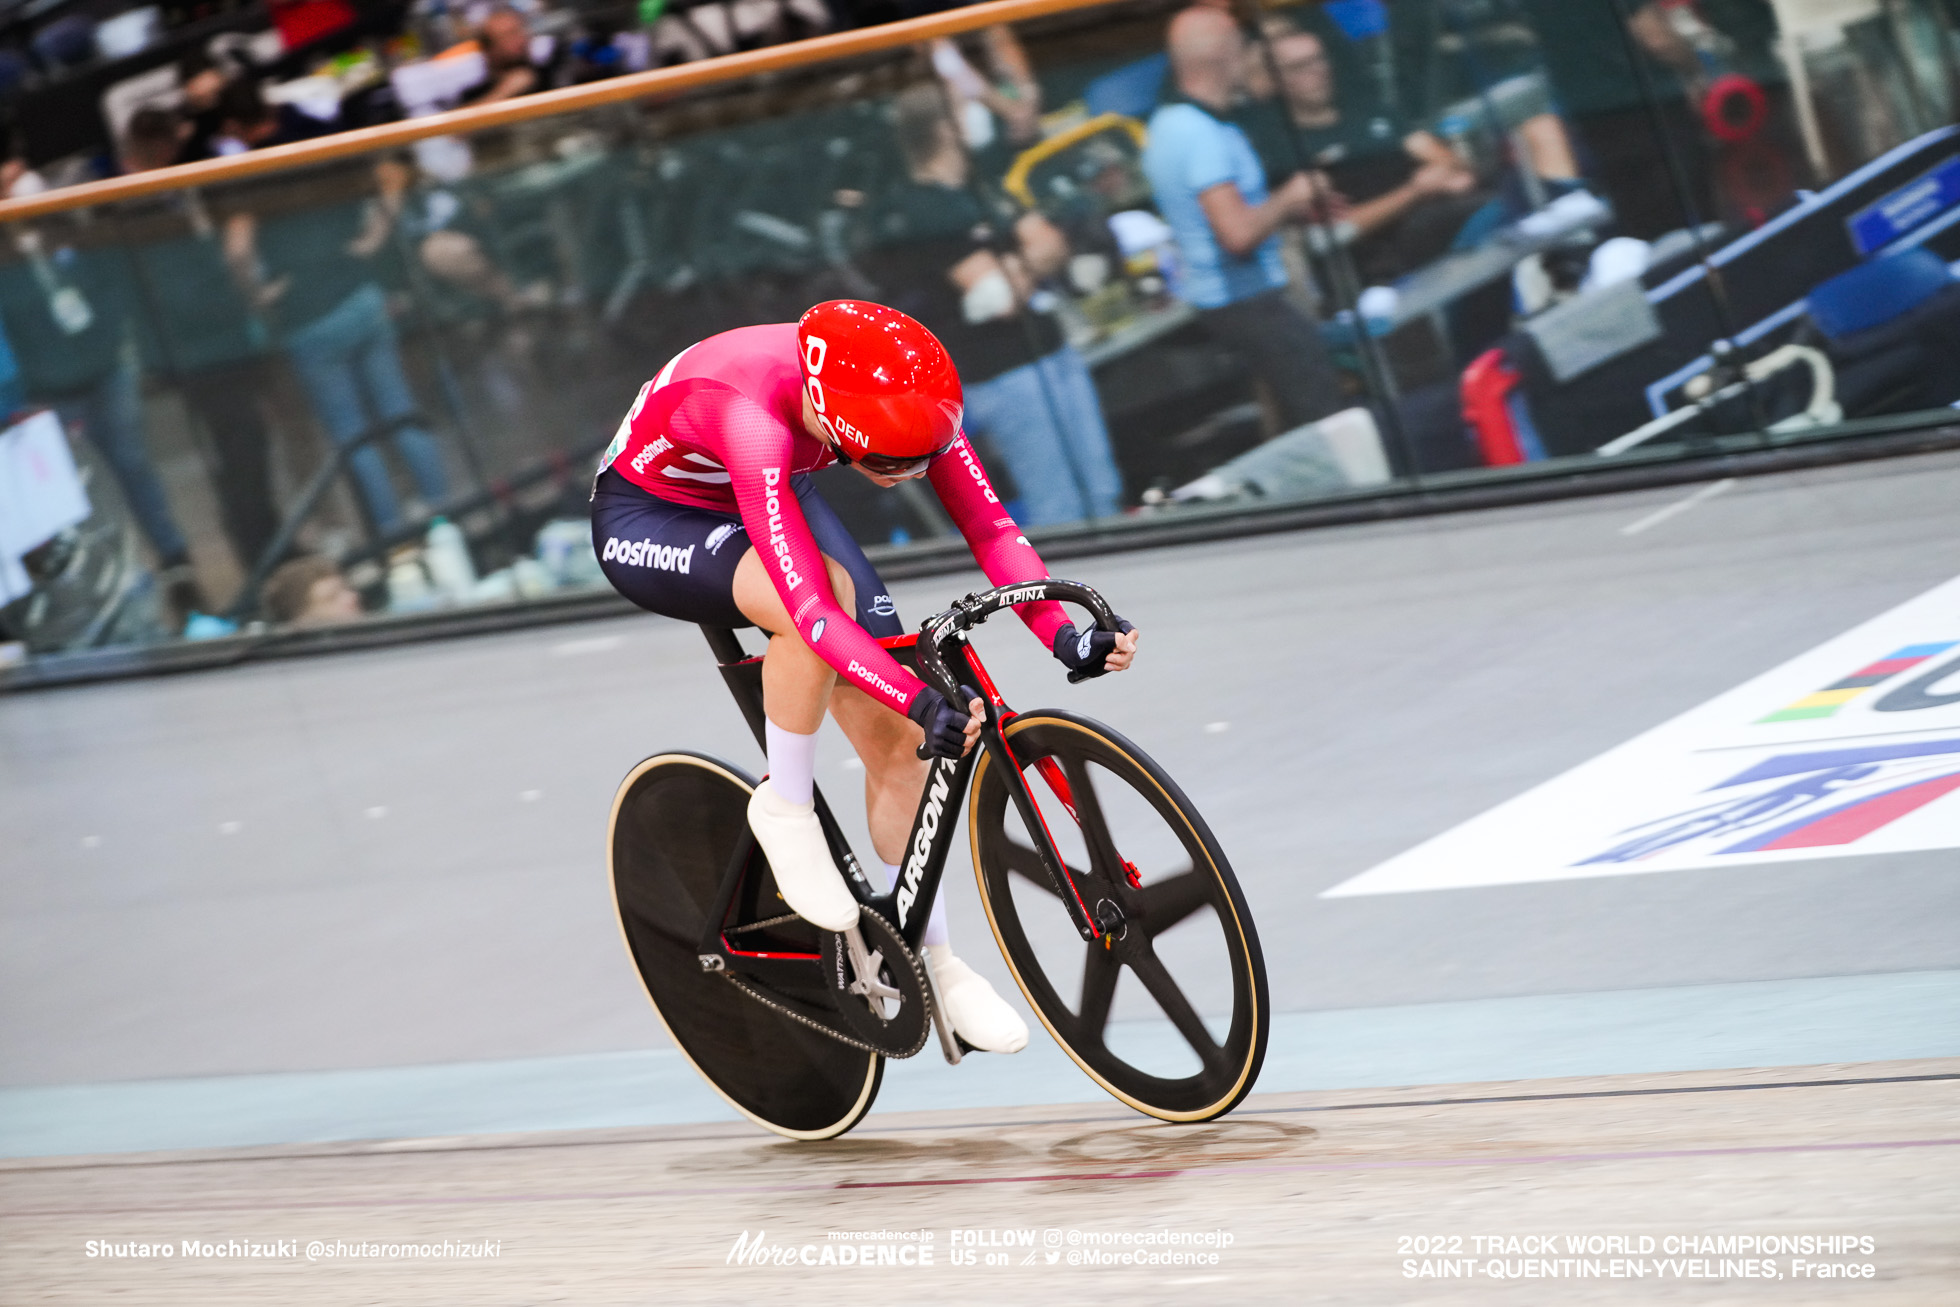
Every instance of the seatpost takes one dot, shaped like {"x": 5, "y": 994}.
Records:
{"x": 742, "y": 676}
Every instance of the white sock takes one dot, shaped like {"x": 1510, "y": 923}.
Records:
{"x": 935, "y": 924}
{"x": 792, "y": 763}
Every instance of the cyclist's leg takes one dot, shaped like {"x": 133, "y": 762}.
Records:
{"x": 796, "y": 682}
{"x": 873, "y": 606}
{"x": 894, "y": 777}
{"x": 685, "y": 562}
{"x": 885, "y": 742}
{"x": 893, "y": 774}
{"x": 796, "y": 688}
{"x": 696, "y": 564}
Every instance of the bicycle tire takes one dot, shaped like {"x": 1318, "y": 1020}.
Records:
{"x": 1227, "y": 1068}
{"x": 674, "y": 824}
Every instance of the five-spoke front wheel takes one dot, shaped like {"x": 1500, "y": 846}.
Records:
{"x": 1169, "y": 1010}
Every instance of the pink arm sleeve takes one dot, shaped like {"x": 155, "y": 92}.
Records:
{"x": 1003, "y": 553}
{"x": 755, "y": 448}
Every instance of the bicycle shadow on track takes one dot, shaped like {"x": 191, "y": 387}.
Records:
{"x": 1163, "y": 1144}
{"x": 1145, "y": 1146}
{"x": 791, "y": 1155}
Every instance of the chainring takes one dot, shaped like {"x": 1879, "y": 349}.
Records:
{"x": 886, "y": 1004}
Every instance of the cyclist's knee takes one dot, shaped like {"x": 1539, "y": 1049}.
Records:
{"x": 756, "y": 597}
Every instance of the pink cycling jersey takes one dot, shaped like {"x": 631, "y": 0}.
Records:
{"x": 721, "y": 427}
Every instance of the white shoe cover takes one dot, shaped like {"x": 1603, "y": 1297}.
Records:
{"x": 981, "y": 1017}
{"x": 792, "y": 839}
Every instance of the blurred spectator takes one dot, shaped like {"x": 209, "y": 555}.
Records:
{"x": 601, "y": 50}
{"x": 301, "y": 22}
{"x": 969, "y": 273}
{"x": 153, "y": 138}
{"x": 312, "y": 272}
{"x": 1408, "y": 193}
{"x": 309, "y": 591}
{"x": 681, "y": 33}
{"x": 247, "y": 122}
{"x": 1595, "y": 65}
{"x": 998, "y": 110}
{"x": 514, "y": 64}
{"x": 1212, "y": 191}
{"x": 17, "y": 179}
{"x": 458, "y": 258}
{"x": 66, "y": 313}
{"x": 202, "y": 336}
{"x": 200, "y": 83}
{"x": 67, "y": 42}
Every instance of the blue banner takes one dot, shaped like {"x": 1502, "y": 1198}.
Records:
{"x": 1912, "y": 206}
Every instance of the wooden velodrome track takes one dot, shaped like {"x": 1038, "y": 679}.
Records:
{"x": 1326, "y": 1197}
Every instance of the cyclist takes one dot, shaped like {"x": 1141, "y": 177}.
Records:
{"x": 703, "y": 510}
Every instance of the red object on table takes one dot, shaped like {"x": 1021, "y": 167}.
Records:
{"x": 1487, "y": 383}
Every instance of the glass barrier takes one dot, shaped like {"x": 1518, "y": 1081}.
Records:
{"x": 1187, "y": 261}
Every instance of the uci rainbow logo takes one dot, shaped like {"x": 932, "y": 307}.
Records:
{"x": 1838, "y": 693}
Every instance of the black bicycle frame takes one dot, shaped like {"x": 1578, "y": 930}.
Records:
{"x": 908, "y": 904}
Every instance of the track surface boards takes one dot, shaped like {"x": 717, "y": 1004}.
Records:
{"x": 1315, "y": 1189}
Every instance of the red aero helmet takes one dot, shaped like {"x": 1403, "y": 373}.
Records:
{"x": 882, "y": 385}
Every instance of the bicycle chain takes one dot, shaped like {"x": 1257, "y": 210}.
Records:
{"x": 770, "y": 1003}
{"x": 852, "y": 1041}
{"x": 783, "y": 920}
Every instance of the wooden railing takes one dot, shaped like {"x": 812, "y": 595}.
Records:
{"x": 657, "y": 84}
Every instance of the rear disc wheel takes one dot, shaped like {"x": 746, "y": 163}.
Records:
{"x": 676, "y": 821}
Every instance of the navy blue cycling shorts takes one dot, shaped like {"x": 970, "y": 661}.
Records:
{"x": 679, "y": 561}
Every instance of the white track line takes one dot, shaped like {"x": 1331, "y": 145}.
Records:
{"x": 1679, "y": 506}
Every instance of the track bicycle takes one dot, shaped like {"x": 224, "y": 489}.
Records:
{"x": 1092, "y": 865}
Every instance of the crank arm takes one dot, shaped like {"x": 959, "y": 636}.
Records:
{"x": 864, "y": 965}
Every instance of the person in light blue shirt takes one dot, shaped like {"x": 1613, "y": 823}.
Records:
{"x": 1212, "y": 192}
{"x": 1190, "y": 152}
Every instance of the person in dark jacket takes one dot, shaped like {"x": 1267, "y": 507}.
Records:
{"x": 247, "y": 122}
{"x": 66, "y": 311}
{"x": 197, "y": 331}
{"x": 970, "y": 268}
{"x": 313, "y": 272}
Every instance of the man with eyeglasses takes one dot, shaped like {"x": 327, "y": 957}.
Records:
{"x": 1407, "y": 191}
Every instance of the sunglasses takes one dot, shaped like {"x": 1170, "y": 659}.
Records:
{"x": 888, "y": 465}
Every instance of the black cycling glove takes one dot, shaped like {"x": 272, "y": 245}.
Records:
{"x": 944, "y": 723}
{"x": 1086, "y": 653}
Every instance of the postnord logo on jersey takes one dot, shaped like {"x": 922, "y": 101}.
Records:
{"x": 645, "y": 553}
